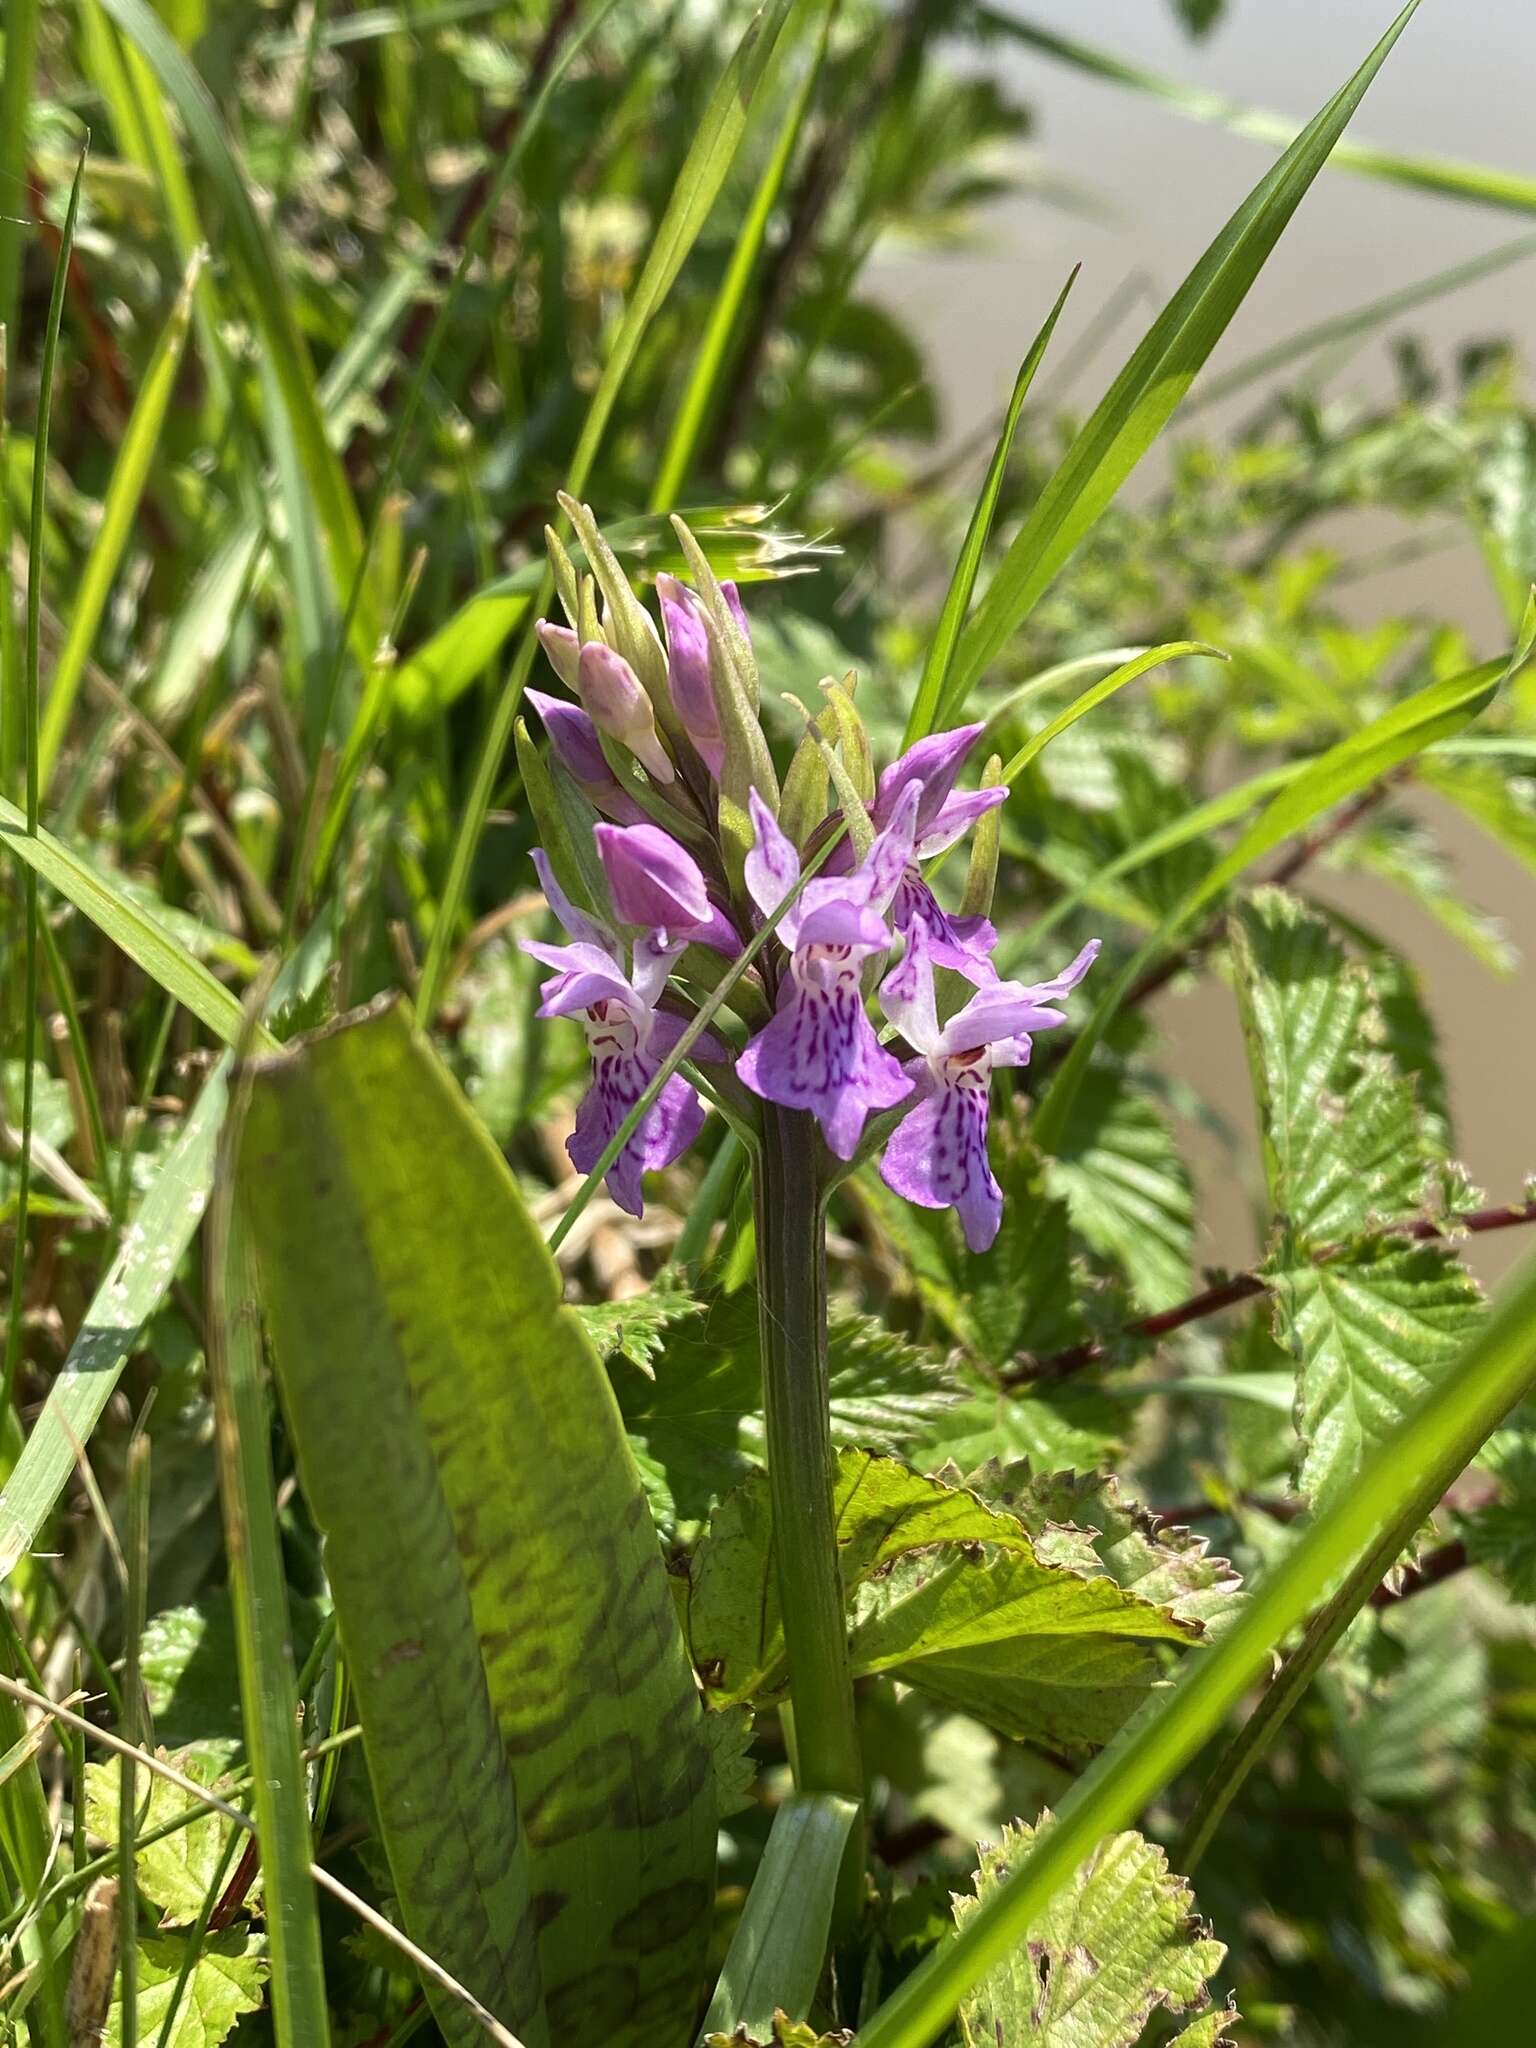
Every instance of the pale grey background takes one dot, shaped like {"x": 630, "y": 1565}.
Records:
{"x": 1461, "y": 83}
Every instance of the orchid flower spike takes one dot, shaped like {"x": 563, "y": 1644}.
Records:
{"x": 937, "y": 1155}
{"x": 628, "y": 1037}
{"x": 819, "y": 1051}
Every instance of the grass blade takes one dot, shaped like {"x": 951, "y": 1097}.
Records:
{"x": 259, "y": 1589}
{"x": 1453, "y": 180}
{"x": 1094, "y": 695}
{"x": 775, "y": 1957}
{"x": 316, "y": 477}
{"x": 711, "y": 360}
{"x": 1359, "y": 320}
{"x": 136, "y": 1556}
{"x": 139, "y": 1278}
{"x": 1407, "y": 729}
{"x": 130, "y": 473}
{"x": 22, "y": 18}
{"x": 1420, "y": 1459}
{"x": 704, "y": 170}
{"x": 957, "y": 602}
{"x": 30, "y": 688}
{"x": 1145, "y": 394}
{"x": 125, "y": 922}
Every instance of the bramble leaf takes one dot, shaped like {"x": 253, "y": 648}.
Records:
{"x": 1116, "y": 1944}
{"x": 226, "y": 1981}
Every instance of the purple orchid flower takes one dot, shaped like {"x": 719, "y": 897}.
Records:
{"x": 579, "y": 751}
{"x": 937, "y": 1155}
{"x": 943, "y": 816}
{"x": 628, "y": 1037}
{"x": 819, "y": 1051}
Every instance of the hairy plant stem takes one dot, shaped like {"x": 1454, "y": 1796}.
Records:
{"x": 792, "y": 1313}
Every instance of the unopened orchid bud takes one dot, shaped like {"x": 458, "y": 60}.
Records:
{"x": 656, "y": 883}
{"x": 611, "y": 694}
{"x": 688, "y": 675}
{"x": 564, "y": 650}
{"x": 580, "y": 752}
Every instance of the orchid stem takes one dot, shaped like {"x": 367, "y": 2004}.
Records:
{"x": 792, "y": 1308}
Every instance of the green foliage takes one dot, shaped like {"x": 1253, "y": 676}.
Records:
{"x": 975, "y": 1594}
{"x": 286, "y": 555}
{"x": 1117, "y": 1943}
{"x": 226, "y": 1981}
{"x": 512, "y": 1603}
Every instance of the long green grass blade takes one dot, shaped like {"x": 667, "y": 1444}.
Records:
{"x": 704, "y": 169}
{"x": 30, "y": 687}
{"x": 140, "y": 1276}
{"x": 134, "y": 1730}
{"x": 957, "y": 602}
{"x": 1480, "y": 183}
{"x": 1149, "y": 388}
{"x": 776, "y": 1954}
{"x": 130, "y": 473}
{"x": 1360, "y": 320}
{"x": 1429, "y": 715}
{"x": 125, "y": 922}
{"x": 1095, "y": 694}
{"x": 315, "y": 474}
{"x": 1422, "y": 1458}
{"x": 711, "y": 361}
{"x": 22, "y": 18}
{"x": 259, "y": 1589}
{"x": 426, "y": 1360}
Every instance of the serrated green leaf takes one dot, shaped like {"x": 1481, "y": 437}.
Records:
{"x": 635, "y": 1329}
{"x": 945, "y": 1592}
{"x": 1370, "y": 1332}
{"x": 1127, "y": 1188}
{"x": 1117, "y": 1943}
{"x": 1414, "y": 1732}
{"x": 176, "y": 1872}
{"x": 1345, "y": 1144}
{"x": 226, "y": 1981}
{"x": 701, "y": 1423}
{"x": 1502, "y": 1534}
{"x": 513, "y": 1601}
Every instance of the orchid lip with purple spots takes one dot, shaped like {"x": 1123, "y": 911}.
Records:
{"x": 819, "y": 1052}
{"x": 937, "y": 1155}
{"x": 628, "y": 1036}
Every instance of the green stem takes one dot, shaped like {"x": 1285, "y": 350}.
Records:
{"x": 792, "y": 1307}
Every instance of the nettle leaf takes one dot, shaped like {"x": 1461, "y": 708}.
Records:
{"x": 1344, "y": 1140}
{"x": 1116, "y": 1944}
{"x": 226, "y": 1981}
{"x": 635, "y": 1328}
{"x": 1502, "y": 1534}
{"x": 177, "y": 1872}
{"x": 1373, "y": 1324}
{"x": 698, "y": 1428}
{"x": 947, "y": 1593}
{"x": 1370, "y": 1332}
{"x": 192, "y": 1684}
{"x": 1070, "y": 1422}
{"x": 1081, "y": 1519}
{"x": 1412, "y": 1735}
{"x": 1128, "y": 1189}
{"x": 1023, "y": 1293}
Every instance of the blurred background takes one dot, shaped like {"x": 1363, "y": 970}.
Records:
{"x": 1133, "y": 188}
